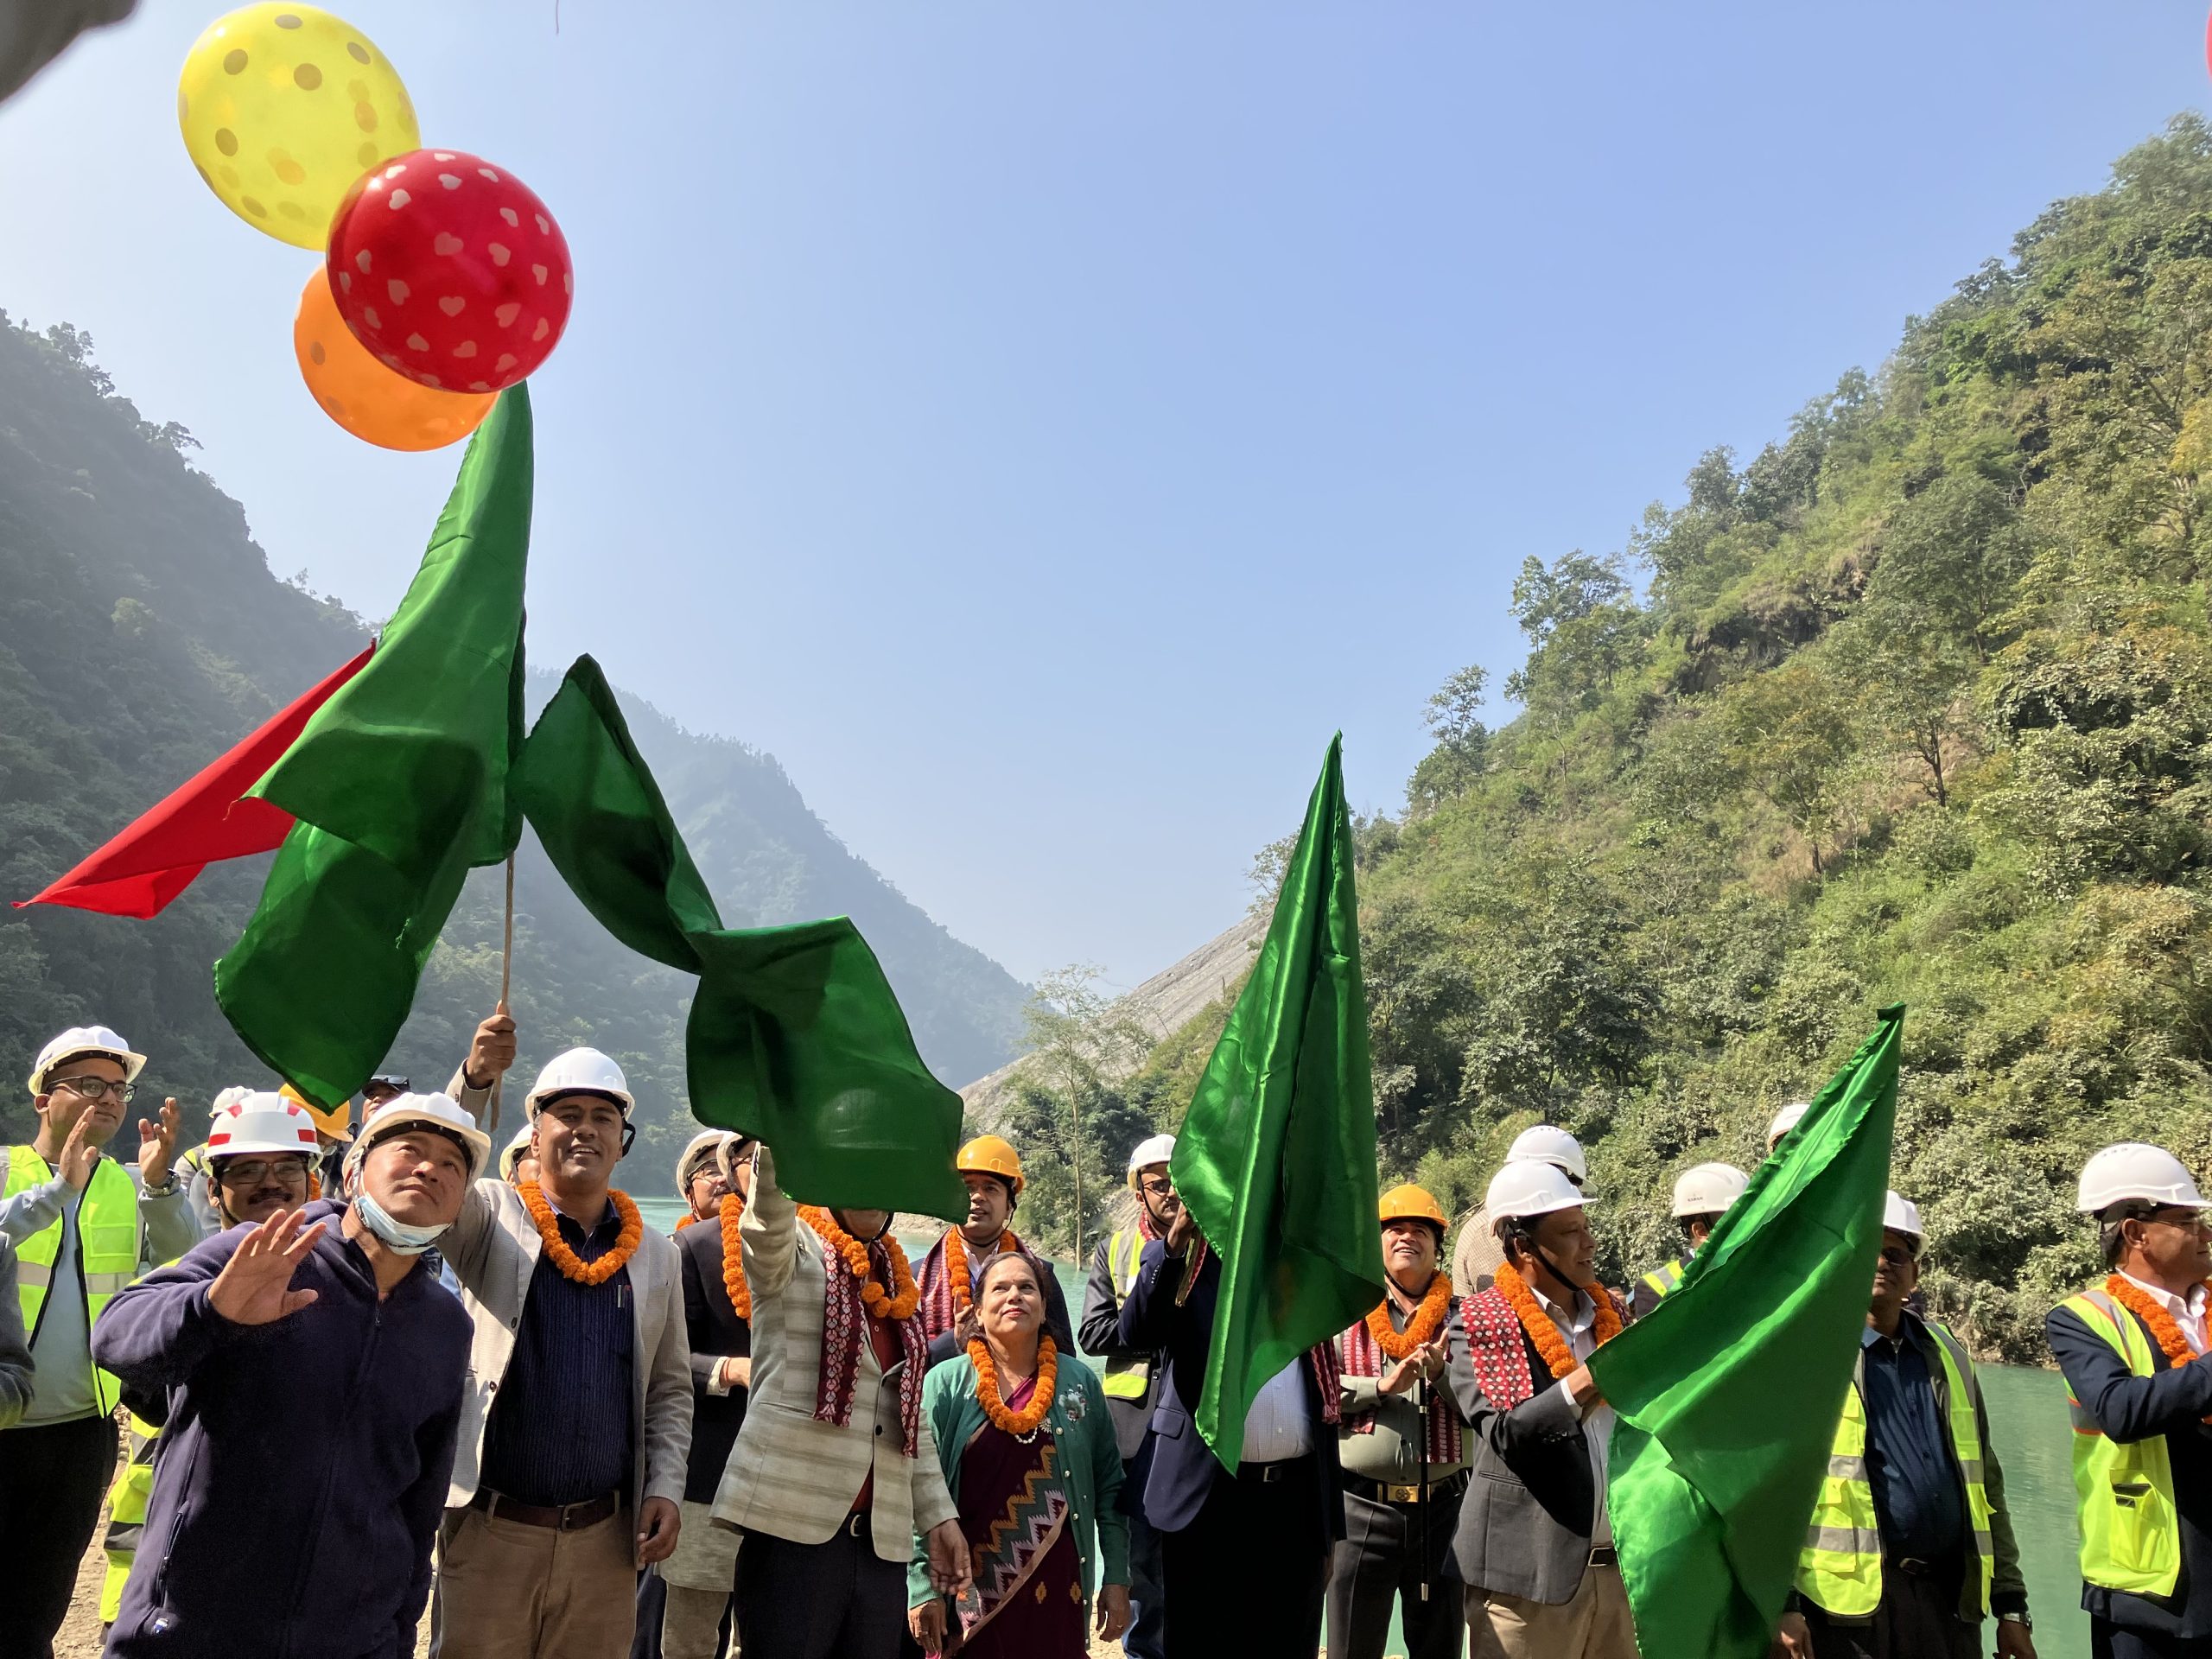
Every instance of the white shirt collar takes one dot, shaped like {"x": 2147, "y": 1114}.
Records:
{"x": 1580, "y": 1317}
{"x": 2190, "y": 1307}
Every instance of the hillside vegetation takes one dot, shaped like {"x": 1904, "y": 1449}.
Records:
{"x": 142, "y": 632}
{"x": 1914, "y": 705}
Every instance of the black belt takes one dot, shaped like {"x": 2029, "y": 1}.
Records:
{"x": 1605, "y": 1555}
{"x": 1380, "y": 1492}
{"x": 1269, "y": 1474}
{"x": 561, "y": 1518}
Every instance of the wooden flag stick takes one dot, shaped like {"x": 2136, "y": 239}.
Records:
{"x": 506, "y": 980}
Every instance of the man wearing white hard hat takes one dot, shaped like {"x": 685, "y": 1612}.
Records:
{"x": 1702, "y": 1196}
{"x": 1536, "y": 1558}
{"x": 701, "y": 1181}
{"x": 1785, "y": 1120}
{"x": 573, "y": 1433}
{"x": 314, "y": 1378}
{"x": 2131, "y": 1351}
{"x": 1130, "y": 1373}
{"x": 83, "y": 1225}
{"x": 1911, "y": 1545}
{"x": 1475, "y": 1255}
{"x": 257, "y": 1161}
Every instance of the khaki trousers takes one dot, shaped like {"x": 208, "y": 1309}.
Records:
{"x": 1595, "y": 1625}
{"x": 507, "y": 1591}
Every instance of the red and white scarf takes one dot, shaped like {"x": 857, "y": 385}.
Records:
{"x": 844, "y": 1329}
{"x": 1360, "y": 1357}
{"x": 940, "y": 1309}
{"x": 1498, "y": 1347}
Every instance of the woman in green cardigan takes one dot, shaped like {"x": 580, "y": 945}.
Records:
{"x": 1028, "y": 1450}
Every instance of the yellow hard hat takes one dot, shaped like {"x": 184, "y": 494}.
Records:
{"x": 988, "y": 1155}
{"x": 337, "y": 1123}
{"x": 1411, "y": 1203}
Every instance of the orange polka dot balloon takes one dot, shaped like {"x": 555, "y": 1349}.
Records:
{"x": 450, "y": 270}
{"x": 363, "y": 395}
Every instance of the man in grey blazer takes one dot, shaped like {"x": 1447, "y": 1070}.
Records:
{"x": 577, "y": 1417}
{"x": 1534, "y": 1544}
{"x": 836, "y": 1472}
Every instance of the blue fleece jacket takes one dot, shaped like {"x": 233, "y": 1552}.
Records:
{"x": 300, "y": 1480}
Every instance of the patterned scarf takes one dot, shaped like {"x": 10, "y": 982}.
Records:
{"x": 941, "y": 1304}
{"x": 844, "y": 1329}
{"x": 1361, "y": 1358}
{"x": 1498, "y": 1347}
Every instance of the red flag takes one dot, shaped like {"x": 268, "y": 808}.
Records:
{"x": 152, "y": 861}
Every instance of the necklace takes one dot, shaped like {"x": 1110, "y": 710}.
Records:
{"x": 905, "y": 1298}
{"x": 740, "y": 1295}
{"x": 1421, "y": 1328}
{"x": 573, "y": 1268}
{"x": 1022, "y": 1424}
{"x": 955, "y": 1265}
{"x": 1538, "y": 1324}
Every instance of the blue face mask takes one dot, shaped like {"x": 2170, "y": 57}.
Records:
{"x": 397, "y": 1236}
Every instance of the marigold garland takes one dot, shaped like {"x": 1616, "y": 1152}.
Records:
{"x": 733, "y": 1284}
{"x": 955, "y": 1265}
{"x": 896, "y": 1307}
{"x": 1420, "y": 1330}
{"x": 1023, "y": 1422}
{"x": 574, "y": 1268}
{"x": 1538, "y": 1324}
{"x": 686, "y": 1221}
{"x": 2164, "y": 1329}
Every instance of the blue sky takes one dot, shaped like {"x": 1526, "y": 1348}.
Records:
{"x": 1040, "y": 426}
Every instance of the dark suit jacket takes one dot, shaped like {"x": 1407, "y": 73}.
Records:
{"x": 946, "y": 1343}
{"x": 2129, "y": 1408}
{"x": 1532, "y": 1500}
{"x": 1102, "y": 1336}
{"x": 715, "y": 1333}
{"x": 1176, "y": 1471}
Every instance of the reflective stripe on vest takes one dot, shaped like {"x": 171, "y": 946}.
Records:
{"x": 1667, "y": 1280}
{"x": 1840, "y": 1567}
{"x": 107, "y": 1249}
{"x": 2123, "y": 1495}
{"x": 1126, "y": 1378}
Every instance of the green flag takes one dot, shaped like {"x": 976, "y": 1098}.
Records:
{"x": 1729, "y": 1392}
{"x": 794, "y": 1035}
{"x": 1276, "y": 1156}
{"x": 399, "y": 785}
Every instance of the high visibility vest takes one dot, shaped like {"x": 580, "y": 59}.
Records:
{"x": 126, "y": 1516}
{"x": 1840, "y": 1567}
{"x": 1667, "y": 1280}
{"x": 1128, "y": 1377}
{"x": 2123, "y": 1495}
{"x": 107, "y": 1250}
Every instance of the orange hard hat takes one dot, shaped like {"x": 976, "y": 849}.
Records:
{"x": 988, "y": 1155}
{"x": 337, "y": 1123}
{"x": 1411, "y": 1203}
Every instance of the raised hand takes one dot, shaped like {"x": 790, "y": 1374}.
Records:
{"x": 157, "y": 1144}
{"x": 1182, "y": 1230}
{"x": 78, "y": 1154}
{"x": 255, "y": 1287}
{"x": 492, "y": 1050}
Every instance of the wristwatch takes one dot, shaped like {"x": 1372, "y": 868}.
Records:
{"x": 2020, "y": 1619}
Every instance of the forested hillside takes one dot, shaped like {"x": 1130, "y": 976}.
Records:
{"x": 142, "y": 632}
{"x": 1913, "y": 705}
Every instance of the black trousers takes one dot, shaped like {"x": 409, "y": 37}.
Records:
{"x": 1248, "y": 1575}
{"x": 1917, "y": 1619}
{"x": 1377, "y": 1563}
{"x": 2110, "y": 1640}
{"x": 838, "y": 1601}
{"x": 52, "y": 1479}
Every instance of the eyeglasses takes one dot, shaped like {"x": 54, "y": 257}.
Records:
{"x": 1160, "y": 1186}
{"x": 94, "y": 1088}
{"x": 1896, "y": 1254}
{"x": 292, "y": 1172}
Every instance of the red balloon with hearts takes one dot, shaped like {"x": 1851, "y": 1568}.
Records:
{"x": 449, "y": 268}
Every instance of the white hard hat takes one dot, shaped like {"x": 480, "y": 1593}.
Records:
{"x": 81, "y": 1040}
{"x": 512, "y": 1153}
{"x": 231, "y": 1096}
{"x": 439, "y": 1112}
{"x": 1555, "y": 1146}
{"x": 1709, "y": 1189}
{"x": 1157, "y": 1150}
{"x": 1529, "y": 1186}
{"x": 1786, "y": 1119}
{"x": 580, "y": 1071}
{"x": 1902, "y": 1216}
{"x": 261, "y": 1123}
{"x": 2132, "y": 1170}
{"x": 697, "y": 1152}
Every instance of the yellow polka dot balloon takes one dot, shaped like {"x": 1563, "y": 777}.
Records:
{"x": 282, "y": 107}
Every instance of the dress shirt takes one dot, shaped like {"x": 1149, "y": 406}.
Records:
{"x": 1278, "y": 1425}
{"x": 1918, "y": 1501}
{"x": 2188, "y": 1311}
{"x": 1580, "y": 1327}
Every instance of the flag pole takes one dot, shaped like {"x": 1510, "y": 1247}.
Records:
{"x": 506, "y": 977}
